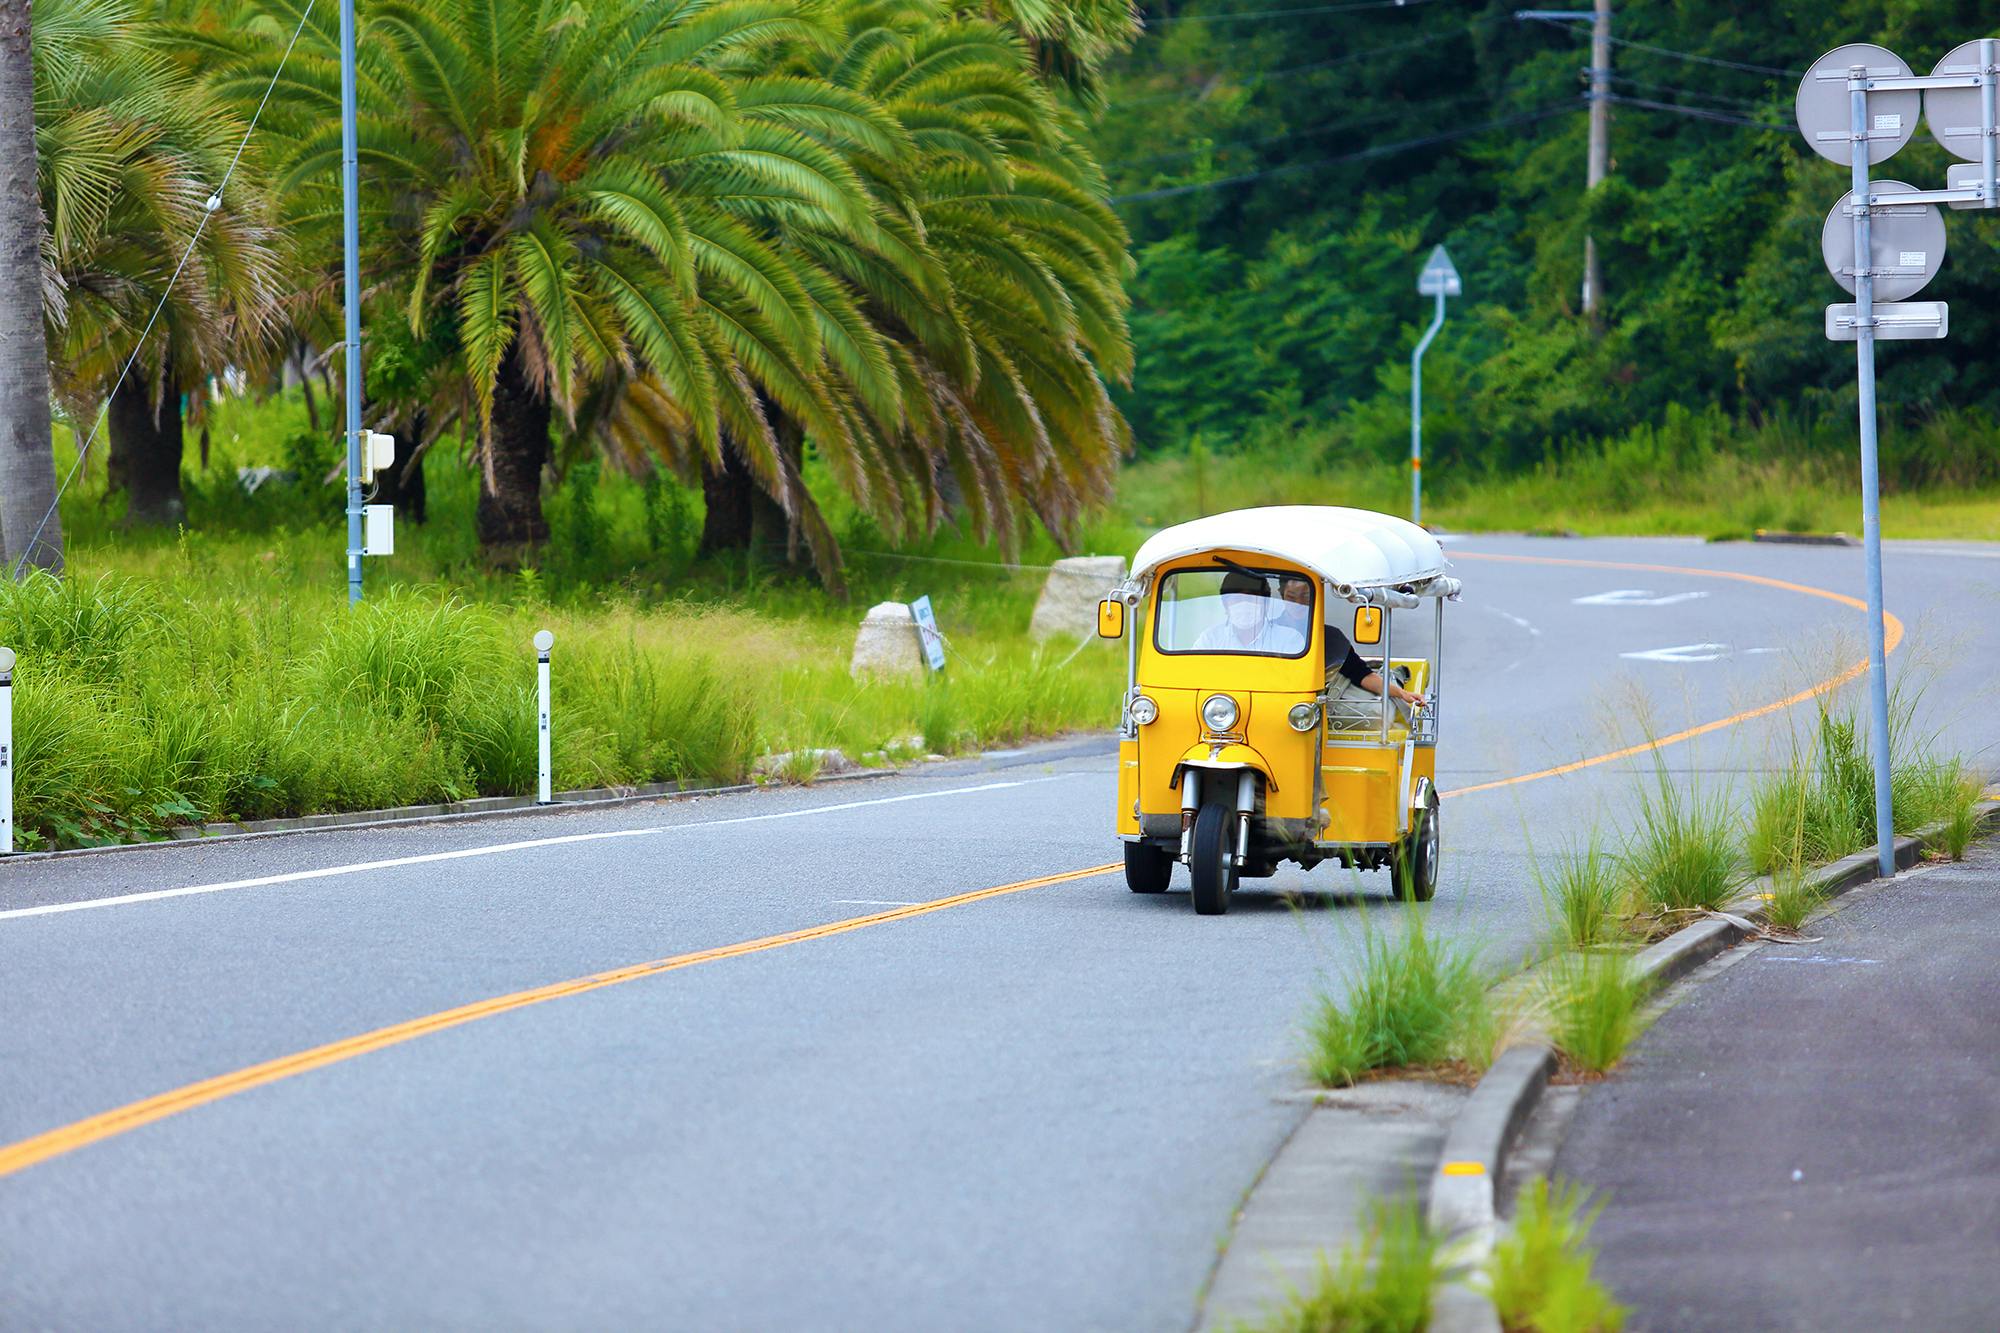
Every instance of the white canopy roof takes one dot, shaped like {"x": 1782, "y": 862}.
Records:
{"x": 1353, "y": 547}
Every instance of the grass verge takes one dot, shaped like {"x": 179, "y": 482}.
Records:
{"x": 1381, "y": 1283}
{"x": 1541, "y": 1271}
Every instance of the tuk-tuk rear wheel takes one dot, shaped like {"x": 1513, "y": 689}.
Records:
{"x": 1148, "y": 869}
{"x": 1212, "y": 858}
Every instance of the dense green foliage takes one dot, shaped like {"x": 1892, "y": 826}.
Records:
{"x": 1283, "y": 304}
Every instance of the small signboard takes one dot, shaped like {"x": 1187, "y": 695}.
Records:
{"x": 927, "y": 630}
{"x": 1894, "y": 320}
{"x": 1439, "y": 275}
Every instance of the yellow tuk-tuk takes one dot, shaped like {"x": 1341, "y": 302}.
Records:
{"x": 1251, "y": 734}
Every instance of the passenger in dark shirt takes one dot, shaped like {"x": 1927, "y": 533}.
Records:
{"x": 1340, "y": 654}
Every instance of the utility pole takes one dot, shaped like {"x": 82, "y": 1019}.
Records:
{"x": 350, "y": 232}
{"x": 1600, "y": 148}
{"x": 1597, "y": 163}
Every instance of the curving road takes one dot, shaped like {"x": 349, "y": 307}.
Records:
{"x": 397, "y": 1077}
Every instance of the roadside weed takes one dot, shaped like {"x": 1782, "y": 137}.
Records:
{"x": 1794, "y": 896}
{"x": 1681, "y": 856}
{"x": 1380, "y": 1283}
{"x": 1595, "y": 1005}
{"x": 1581, "y": 894}
{"x": 1413, "y": 1000}
{"x": 1961, "y": 822}
{"x": 1541, "y": 1268}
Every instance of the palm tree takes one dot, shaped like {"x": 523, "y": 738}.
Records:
{"x": 554, "y": 200}
{"x": 27, "y": 462}
{"x": 132, "y": 150}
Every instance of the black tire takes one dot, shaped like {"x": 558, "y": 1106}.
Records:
{"x": 1415, "y": 866}
{"x": 1147, "y": 868}
{"x": 1212, "y": 858}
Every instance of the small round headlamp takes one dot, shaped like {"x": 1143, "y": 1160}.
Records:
{"x": 1219, "y": 712}
{"x": 1303, "y": 717}
{"x": 1144, "y": 710}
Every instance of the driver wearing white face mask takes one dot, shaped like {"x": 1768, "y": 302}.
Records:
{"x": 1250, "y": 621}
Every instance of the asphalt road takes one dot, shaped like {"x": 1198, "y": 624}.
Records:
{"x": 1031, "y": 1109}
{"x": 1806, "y": 1141}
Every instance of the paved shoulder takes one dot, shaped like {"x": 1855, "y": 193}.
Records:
{"x": 1807, "y": 1140}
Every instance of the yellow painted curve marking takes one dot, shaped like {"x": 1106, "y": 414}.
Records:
{"x": 1892, "y": 633}
{"x": 68, "y": 1138}
{"x": 82, "y": 1133}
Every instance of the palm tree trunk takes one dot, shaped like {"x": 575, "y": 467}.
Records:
{"x": 739, "y": 517}
{"x": 510, "y": 517}
{"x": 27, "y": 456}
{"x": 147, "y": 441}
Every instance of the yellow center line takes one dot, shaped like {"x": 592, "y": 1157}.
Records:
{"x": 1892, "y": 632}
{"x": 68, "y": 1138}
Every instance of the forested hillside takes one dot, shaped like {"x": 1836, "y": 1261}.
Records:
{"x": 1284, "y": 169}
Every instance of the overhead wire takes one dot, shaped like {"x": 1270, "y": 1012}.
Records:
{"x": 1583, "y": 34}
{"x": 1753, "y": 103}
{"x": 1698, "y": 113}
{"x": 1378, "y": 150}
{"x": 1258, "y": 15}
{"x": 209, "y": 208}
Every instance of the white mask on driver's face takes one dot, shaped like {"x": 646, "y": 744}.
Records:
{"x": 1245, "y": 613}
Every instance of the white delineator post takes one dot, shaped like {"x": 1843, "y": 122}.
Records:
{"x": 1871, "y": 501}
{"x": 6, "y": 750}
{"x": 543, "y": 642}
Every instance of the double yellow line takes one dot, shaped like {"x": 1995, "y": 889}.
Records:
{"x": 29, "y": 1152}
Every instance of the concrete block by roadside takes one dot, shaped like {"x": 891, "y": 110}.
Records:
{"x": 1067, "y": 608}
{"x": 887, "y": 644}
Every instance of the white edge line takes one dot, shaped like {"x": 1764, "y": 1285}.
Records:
{"x": 428, "y": 858}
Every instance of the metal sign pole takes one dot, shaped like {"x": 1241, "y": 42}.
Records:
{"x": 6, "y": 750}
{"x": 1988, "y": 118}
{"x": 1417, "y": 412}
{"x": 1871, "y": 515}
{"x": 350, "y": 190}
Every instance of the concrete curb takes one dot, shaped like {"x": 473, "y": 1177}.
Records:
{"x": 1805, "y": 538}
{"x": 1462, "y": 1199}
{"x": 482, "y": 807}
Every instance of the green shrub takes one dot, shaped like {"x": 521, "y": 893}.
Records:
{"x": 1541, "y": 1268}
{"x": 1381, "y": 1283}
{"x": 1682, "y": 855}
{"x": 1414, "y": 1001}
{"x": 1794, "y": 896}
{"x": 1595, "y": 1005}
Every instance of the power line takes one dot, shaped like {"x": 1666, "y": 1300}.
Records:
{"x": 213, "y": 203}
{"x": 1257, "y": 15}
{"x": 1699, "y": 113}
{"x": 1672, "y": 54}
{"x": 1752, "y": 103}
{"x": 1325, "y": 127}
{"x": 1380, "y": 150}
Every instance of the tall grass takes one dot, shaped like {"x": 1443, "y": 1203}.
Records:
{"x": 1541, "y": 1270}
{"x": 1380, "y": 1283}
{"x": 1595, "y": 1005}
{"x": 1413, "y": 1000}
{"x": 1582, "y": 894}
{"x": 200, "y": 693}
{"x": 1681, "y": 855}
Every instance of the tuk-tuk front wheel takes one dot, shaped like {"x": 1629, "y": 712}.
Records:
{"x": 1212, "y": 858}
{"x": 1148, "y": 869}
{"x": 1415, "y": 867}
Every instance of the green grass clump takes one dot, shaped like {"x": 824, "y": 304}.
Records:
{"x": 1381, "y": 1283}
{"x": 1541, "y": 1269}
{"x": 1682, "y": 856}
{"x": 1582, "y": 893}
{"x": 1961, "y": 822}
{"x": 1414, "y": 1001}
{"x": 1595, "y": 1005}
{"x": 1794, "y": 896}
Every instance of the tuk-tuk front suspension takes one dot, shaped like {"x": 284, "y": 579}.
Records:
{"x": 1246, "y": 806}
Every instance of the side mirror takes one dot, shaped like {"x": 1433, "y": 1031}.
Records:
{"x": 1110, "y": 619}
{"x": 1368, "y": 624}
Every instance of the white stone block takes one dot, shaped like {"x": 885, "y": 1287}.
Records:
{"x": 887, "y": 644}
{"x": 1068, "y": 605}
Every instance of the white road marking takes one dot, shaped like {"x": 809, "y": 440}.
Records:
{"x": 1636, "y": 597}
{"x": 1823, "y": 961}
{"x": 1511, "y": 617}
{"x": 528, "y": 844}
{"x": 1686, "y": 652}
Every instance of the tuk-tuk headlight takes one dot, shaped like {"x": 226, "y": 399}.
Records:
{"x": 1219, "y": 712}
{"x": 1303, "y": 717}
{"x": 1144, "y": 710}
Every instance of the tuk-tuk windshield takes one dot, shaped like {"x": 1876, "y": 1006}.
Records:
{"x": 1259, "y": 613}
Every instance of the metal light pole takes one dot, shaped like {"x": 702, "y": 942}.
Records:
{"x": 544, "y": 641}
{"x": 350, "y": 228}
{"x": 1871, "y": 500}
{"x": 6, "y": 750}
{"x": 1440, "y": 279}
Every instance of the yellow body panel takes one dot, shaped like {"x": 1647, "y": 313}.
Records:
{"x": 1128, "y": 786}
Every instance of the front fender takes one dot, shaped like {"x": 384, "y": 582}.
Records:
{"x": 1224, "y": 757}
